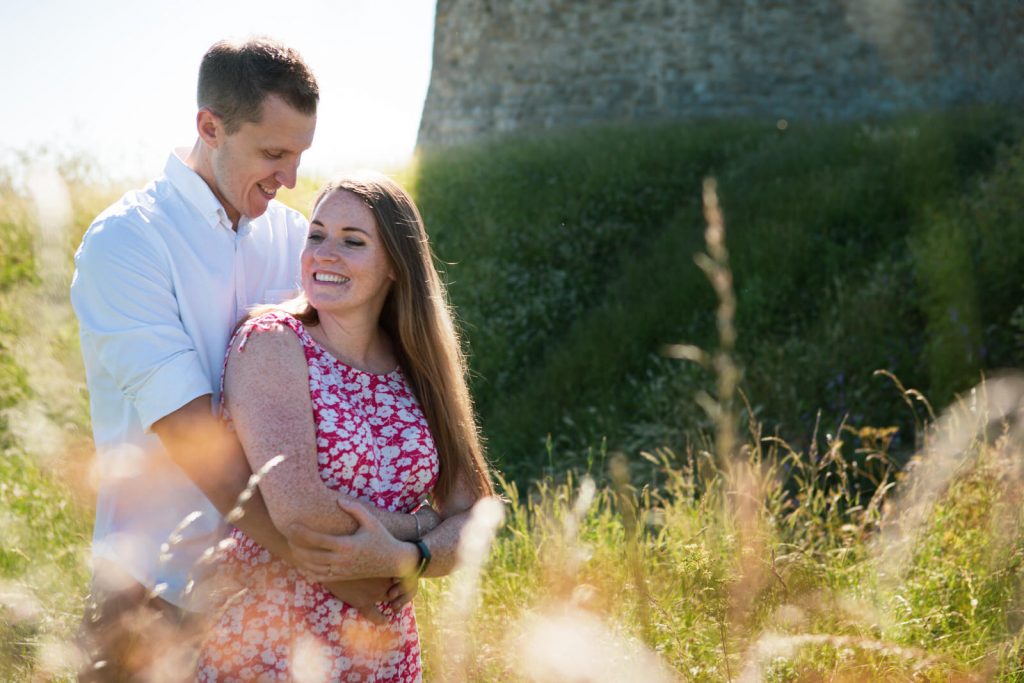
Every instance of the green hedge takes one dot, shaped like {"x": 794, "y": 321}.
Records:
{"x": 571, "y": 263}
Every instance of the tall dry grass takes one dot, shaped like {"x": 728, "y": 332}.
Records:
{"x": 743, "y": 559}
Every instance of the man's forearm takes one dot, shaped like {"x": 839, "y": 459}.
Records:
{"x": 212, "y": 457}
{"x": 210, "y": 454}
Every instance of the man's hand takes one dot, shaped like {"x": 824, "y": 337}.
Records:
{"x": 371, "y": 551}
{"x": 364, "y": 595}
{"x": 402, "y": 591}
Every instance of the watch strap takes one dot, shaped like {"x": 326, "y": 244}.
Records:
{"x": 424, "y": 557}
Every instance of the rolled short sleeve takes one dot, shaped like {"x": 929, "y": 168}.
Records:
{"x": 123, "y": 294}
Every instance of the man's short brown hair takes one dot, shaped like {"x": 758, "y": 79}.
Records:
{"x": 236, "y": 76}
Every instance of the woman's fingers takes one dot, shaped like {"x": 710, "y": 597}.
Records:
{"x": 357, "y": 510}
{"x": 302, "y": 537}
{"x": 323, "y": 573}
{"x": 316, "y": 553}
{"x": 370, "y": 551}
{"x": 316, "y": 556}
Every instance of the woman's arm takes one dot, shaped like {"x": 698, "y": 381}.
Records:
{"x": 266, "y": 390}
{"x": 443, "y": 542}
{"x": 373, "y": 542}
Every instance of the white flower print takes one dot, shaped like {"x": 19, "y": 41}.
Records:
{"x": 366, "y": 425}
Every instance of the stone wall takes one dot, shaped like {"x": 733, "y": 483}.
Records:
{"x": 507, "y": 65}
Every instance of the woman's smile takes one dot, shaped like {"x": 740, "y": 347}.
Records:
{"x": 330, "y": 277}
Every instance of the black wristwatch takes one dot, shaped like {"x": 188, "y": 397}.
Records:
{"x": 424, "y": 558}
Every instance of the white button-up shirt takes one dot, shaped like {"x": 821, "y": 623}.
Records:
{"x": 161, "y": 280}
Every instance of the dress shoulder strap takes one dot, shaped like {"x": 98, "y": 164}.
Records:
{"x": 268, "y": 321}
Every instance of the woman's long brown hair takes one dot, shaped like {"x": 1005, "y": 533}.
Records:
{"x": 418, "y": 318}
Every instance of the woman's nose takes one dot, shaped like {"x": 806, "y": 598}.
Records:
{"x": 326, "y": 251}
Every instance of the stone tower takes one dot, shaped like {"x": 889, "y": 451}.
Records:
{"x": 524, "y": 65}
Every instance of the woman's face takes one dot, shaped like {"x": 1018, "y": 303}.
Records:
{"x": 345, "y": 267}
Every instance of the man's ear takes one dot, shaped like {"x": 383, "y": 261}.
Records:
{"x": 209, "y": 126}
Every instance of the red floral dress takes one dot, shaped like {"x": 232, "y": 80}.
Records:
{"x": 373, "y": 442}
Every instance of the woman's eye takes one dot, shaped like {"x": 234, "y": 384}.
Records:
{"x": 314, "y": 237}
{"x": 354, "y": 243}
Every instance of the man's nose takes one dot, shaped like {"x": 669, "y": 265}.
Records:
{"x": 288, "y": 174}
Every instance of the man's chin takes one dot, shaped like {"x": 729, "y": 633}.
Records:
{"x": 254, "y": 212}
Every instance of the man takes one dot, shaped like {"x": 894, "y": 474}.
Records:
{"x": 161, "y": 278}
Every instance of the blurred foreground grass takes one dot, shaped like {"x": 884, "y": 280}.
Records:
{"x": 818, "y": 555}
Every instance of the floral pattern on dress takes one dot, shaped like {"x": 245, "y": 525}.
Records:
{"x": 373, "y": 442}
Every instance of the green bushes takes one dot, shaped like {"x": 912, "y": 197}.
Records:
{"x": 571, "y": 265}
{"x": 969, "y": 258}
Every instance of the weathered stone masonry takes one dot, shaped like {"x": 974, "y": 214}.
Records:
{"x": 507, "y": 65}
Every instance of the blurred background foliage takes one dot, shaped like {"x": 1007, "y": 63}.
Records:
{"x": 891, "y": 244}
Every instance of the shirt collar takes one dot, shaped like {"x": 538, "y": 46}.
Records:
{"x": 194, "y": 189}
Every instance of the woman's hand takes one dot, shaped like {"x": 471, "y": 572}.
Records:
{"x": 371, "y": 551}
{"x": 403, "y": 525}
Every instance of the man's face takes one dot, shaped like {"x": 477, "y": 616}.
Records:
{"x": 251, "y": 164}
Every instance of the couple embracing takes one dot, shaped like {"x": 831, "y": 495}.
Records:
{"x": 223, "y": 335}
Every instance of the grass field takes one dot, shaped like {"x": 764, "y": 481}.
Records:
{"x": 772, "y": 509}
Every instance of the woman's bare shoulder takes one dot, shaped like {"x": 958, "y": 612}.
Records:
{"x": 268, "y": 354}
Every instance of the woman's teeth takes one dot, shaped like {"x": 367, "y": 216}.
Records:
{"x": 327, "y": 277}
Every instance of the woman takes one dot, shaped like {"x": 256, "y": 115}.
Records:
{"x": 360, "y": 385}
